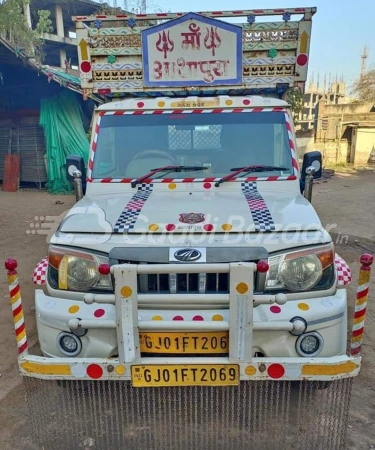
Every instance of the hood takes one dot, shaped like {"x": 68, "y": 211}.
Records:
{"x": 242, "y": 209}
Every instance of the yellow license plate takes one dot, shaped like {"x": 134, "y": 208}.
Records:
{"x": 186, "y": 375}
{"x": 187, "y": 343}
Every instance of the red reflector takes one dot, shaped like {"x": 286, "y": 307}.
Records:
{"x": 104, "y": 269}
{"x": 262, "y": 266}
{"x": 85, "y": 66}
{"x": 104, "y": 91}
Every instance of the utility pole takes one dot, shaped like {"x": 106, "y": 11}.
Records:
{"x": 364, "y": 57}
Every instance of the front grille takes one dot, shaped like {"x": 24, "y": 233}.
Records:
{"x": 193, "y": 283}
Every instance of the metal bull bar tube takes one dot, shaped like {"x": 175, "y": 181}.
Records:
{"x": 275, "y": 403}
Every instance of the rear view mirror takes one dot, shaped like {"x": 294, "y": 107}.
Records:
{"x": 312, "y": 159}
{"x": 74, "y": 163}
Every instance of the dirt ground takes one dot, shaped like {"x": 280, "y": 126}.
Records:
{"x": 346, "y": 206}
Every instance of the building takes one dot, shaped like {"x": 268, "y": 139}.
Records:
{"x": 331, "y": 93}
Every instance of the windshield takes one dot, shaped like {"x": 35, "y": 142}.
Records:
{"x": 130, "y": 146}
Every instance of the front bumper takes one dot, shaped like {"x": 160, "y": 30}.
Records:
{"x": 271, "y": 337}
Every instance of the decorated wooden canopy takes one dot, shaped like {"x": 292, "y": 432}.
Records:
{"x": 194, "y": 52}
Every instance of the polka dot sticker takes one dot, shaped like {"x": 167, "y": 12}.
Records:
{"x": 303, "y": 306}
{"x": 153, "y": 227}
{"x": 242, "y": 288}
{"x": 178, "y": 318}
{"x": 161, "y": 104}
{"x": 157, "y": 318}
{"x": 198, "y": 318}
{"x": 208, "y": 227}
{"x": 99, "y": 313}
{"x": 275, "y": 309}
{"x": 120, "y": 370}
{"x": 250, "y": 370}
{"x": 170, "y": 227}
{"x": 276, "y": 371}
{"x": 78, "y": 370}
{"x": 217, "y": 318}
{"x": 74, "y": 309}
{"x": 207, "y": 185}
{"x": 229, "y": 102}
{"x": 94, "y": 371}
{"x": 227, "y": 227}
{"x": 126, "y": 291}
{"x": 172, "y": 186}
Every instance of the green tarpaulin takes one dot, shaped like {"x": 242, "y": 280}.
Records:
{"x": 61, "y": 119}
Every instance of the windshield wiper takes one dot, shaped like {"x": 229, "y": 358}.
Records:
{"x": 248, "y": 169}
{"x": 169, "y": 169}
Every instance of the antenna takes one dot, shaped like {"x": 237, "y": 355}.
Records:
{"x": 364, "y": 57}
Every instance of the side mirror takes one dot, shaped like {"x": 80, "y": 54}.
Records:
{"x": 76, "y": 164}
{"x": 312, "y": 159}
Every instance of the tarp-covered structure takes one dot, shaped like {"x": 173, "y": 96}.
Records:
{"x": 60, "y": 117}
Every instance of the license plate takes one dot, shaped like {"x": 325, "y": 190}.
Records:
{"x": 187, "y": 343}
{"x": 186, "y": 375}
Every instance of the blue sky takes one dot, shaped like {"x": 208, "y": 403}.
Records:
{"x": 341, "y": 28}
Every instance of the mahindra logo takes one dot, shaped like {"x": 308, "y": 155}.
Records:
{"x": 187, "y": 254}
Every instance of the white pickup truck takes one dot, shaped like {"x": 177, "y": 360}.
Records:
{"x": 194, "y": 246}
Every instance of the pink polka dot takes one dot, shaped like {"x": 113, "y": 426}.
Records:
{"x": 170, "y": 227}
{"x": 275, "y": 309}
{"x": 178, "y": 318}
{"x": 208, "y": 227}
{"x": 99, "y": 313}
{"x": 207, "y": 185}
{"x": 246, "y": 102}
{"x": 198, "y": 318}
{"x": 140, "y": 104}
{"x": 302, "y": 59}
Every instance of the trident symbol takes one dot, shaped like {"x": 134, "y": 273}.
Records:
{"x": 212, "y": 40}
{"x": 165, "y": 44}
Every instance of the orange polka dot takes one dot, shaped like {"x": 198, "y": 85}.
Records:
{"x": 74, "y": 309}
{"x": 157, "y": 318}
{"x": 217, "y": 318}
{"x": 172, "y": 186}
{"x": 161, "y": 104}
{"x": 242, "y": 288}
{"x": 153, "y": 227}
{"x": 126, "y": 291}
{"x": 303, "y": 306}
{"x": 227, "y": 227}
{"x": 250, "y": 370}
{"x": 229, "y": 102}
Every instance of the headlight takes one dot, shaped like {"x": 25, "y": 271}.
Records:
{"x": 301, "y": 270}
{"x": 76, "y": 270}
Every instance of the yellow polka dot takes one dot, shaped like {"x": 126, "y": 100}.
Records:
{"x": 303, "y": 306}
{"x": 74, "y": 309}
{"x": 242, "y": 288}
{"x": 172, "y": 186}
{"x": 161, "y": 104}
{"x": 157, "y": 318}
{"x": 229, "y": 102}
{"x": 126, "y": 291}
{"x": 227, "y": 227}
{"x": 250, "y": 370}
{"x": 153, "y": 227}
{"x": 217, "y": 318}
{"x": 120, "y": 370}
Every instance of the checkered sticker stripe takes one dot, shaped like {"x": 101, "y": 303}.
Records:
{"x": 132, "y": 210}
{"x": 344, "y": 274}
{"x": 259, "y": 210}
{"x": 40, "y": 272}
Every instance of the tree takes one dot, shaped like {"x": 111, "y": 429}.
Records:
{"x": 295, "y": 99}
{"x": 15, "y": 29}
{"x": 364, "y": 87}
